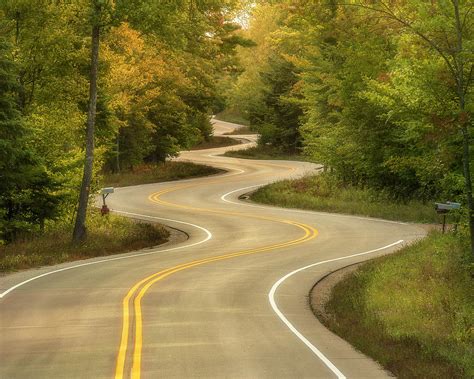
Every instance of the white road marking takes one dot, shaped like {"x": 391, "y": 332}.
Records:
{"x": 208, "y": 237}
{"x": 314, "y": 349}
{"x": 224, "y": 198}
{"x": 236, "y": 171}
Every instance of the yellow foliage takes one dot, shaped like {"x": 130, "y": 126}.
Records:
{"x": 139, "y": 68}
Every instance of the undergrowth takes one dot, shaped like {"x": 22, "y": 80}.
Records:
{"x": 161, "y": 172}
{"x": 232, "y": 116}
{"x": 216, "y": 141}
{"x": 106, "y": 235}
{"x": 324, "y": 193}
{"x": 412, "y": 311}
{"x": 264, "y": 152}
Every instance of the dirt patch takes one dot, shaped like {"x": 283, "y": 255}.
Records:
{"x": 175, "y": 235}
{"x": 321, "y": 291}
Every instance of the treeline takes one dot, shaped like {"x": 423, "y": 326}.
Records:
{"x": 158, "y": 76}
{"x": 379, "y": 92}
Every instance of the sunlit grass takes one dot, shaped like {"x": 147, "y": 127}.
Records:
{"x": 263, "y": 152}
{"x": 161, "y": 172}
{"x": 323, "y": 193}
{"x": 216, "y": 141}
{"x": 106, "y": 235}
{"x": 412, "y": 311}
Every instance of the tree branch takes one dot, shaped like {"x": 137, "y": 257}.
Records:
{"x": 388, "y": 12}
{"x": 465, "y": 17}
{"x": 469, "y": 79}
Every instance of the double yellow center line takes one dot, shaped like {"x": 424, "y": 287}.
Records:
{"x": 138, "y": 291}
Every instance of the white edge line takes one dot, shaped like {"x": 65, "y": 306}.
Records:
{"x": 155, "y": 251}
{"x": 314, "y": 349}
{"x": 224, "y": 198}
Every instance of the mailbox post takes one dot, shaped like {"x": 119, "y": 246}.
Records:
{"x": 105, "y": 192}
{"x": 444, "y": 209}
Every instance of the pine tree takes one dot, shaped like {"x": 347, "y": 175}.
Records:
{"x": 27, "y": 195}
{"x": 278, "y": 120}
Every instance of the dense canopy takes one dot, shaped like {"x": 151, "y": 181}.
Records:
{"x": 158, "y": 68}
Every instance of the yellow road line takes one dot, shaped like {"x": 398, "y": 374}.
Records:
{"x": 309, "y": 234}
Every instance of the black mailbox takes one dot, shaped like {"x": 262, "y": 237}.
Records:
{"x": 445, "y": 208}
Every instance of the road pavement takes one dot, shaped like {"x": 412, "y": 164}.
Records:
{"x": 230, "y": 301}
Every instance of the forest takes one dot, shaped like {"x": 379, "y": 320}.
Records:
{"x": 380, "y": 93}
{"x": 88, "y": 87}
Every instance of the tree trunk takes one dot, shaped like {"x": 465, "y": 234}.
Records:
{"x": 464, "y": 121}
{"x": 468, "y": 183}
{"x": 80, "y": 230}
{"x": 117, "y": 158}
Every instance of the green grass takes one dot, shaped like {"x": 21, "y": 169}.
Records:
{"x": 412, "y": 311}
{"x": 161, "y": 172}
{"x": 241, "y": 131}
{"x": 107, "y": 235}
{"x": 323, "y": 193}
{"x": 216, "y": 141}
{"x": 264, "y": 152}
{"x": 233, "y": 117}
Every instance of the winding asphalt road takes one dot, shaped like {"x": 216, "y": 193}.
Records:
{"x": 230, "y": 301}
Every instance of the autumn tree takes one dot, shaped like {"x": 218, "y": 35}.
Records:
{"x": 385, "y": 90}
{"x": 170, "y": 117}
{"x": 446, "y": 28}
{"x": 150, "y": 95}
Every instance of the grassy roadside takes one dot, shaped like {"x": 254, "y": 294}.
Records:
{"x": 322, "y": 193}
{"x": 263, "y": 152}
{"x": 106, "y": 235}
{"x": 233, "y": 117}
{"x": 412, "y": 311}
{"x": 216, "y": 141}
{"x": 156, "y": 173}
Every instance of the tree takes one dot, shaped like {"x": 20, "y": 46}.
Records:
{"x": 245, "y": 92}
{"x": 267, "y": 91}
{"x": 278, "y": 117}
{"x": 189, "y": 25}
{"x": 343, "y": 52}
{"x": 152, "y": 97}
{"x": 379, "y": 84}
{"x": 27, "y": 195}
{"x": 447, "y": 28}
{"x": 79, "y": 233}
